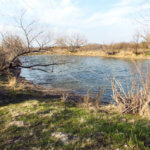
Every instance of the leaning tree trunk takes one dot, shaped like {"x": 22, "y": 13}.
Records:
{"x": 7, "y": 61}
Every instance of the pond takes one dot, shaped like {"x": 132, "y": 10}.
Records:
{"x": 80, "y": 73}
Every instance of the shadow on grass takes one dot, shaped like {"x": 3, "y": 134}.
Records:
{"x": 11, "y": 96}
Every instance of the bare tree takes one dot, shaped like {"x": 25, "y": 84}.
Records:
{"x": 143, "y": 19}
{"x": 75, "y": 42}
{"x": 146, "y": 37}
{"x": 30, "y": 41}
{"x": 136, "y": 39}
{"x": 72, "y": 42}
{"x": 61, "y": 42}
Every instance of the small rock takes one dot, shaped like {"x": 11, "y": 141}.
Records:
{"x": 17, "y": 123}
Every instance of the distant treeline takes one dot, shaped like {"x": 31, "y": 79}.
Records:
{"x": 118, "y": 46}
{"x": 110, "y": 49}
{"x": 113, "y": 48}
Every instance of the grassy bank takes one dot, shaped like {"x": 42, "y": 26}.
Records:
{"x": 34, "y": 119}
{"x": 96, "y": 53}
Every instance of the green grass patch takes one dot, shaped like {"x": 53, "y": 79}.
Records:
{"x": 32, "y": 122}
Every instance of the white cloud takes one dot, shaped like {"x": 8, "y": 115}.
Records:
{"x": 122, "y": 11}
{"x": 67, "y": 16}
{"x": 54, "y": 12}
{"x": 131, "y": 2}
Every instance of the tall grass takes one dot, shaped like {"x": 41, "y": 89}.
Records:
{"x": 136, "y": 99}
{"x": 12, "y": 82}
{"x": 93, "y": 104}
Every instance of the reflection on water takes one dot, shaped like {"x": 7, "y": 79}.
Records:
{"x": 81, "y": 73}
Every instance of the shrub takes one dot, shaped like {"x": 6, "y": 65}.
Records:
{"x": 136, "y": 99}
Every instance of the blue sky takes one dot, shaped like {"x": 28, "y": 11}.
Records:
{"x": 101, "y": 21}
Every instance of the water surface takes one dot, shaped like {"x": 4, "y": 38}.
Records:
{"x": 80, "y": 73}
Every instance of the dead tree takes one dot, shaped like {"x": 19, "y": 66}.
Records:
{"x": 73, "y": 43}
{"x": 14, "y": 46}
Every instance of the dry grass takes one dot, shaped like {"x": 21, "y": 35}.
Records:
{"x": 136, "y": 100}
{"x": 12, "y": 82}
{"x": 128, "y": 54}
{"x": 93, "y": 104}
{"x": 64, "y": 97}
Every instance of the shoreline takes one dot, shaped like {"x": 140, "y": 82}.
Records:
{"x": 94, "y": 54}
{"x": 25, "y": 85}
{"x": 58, "y": 93}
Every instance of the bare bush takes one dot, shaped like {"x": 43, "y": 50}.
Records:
{"x": 61, "y": 42}
{"x": 136, "y": 100}
{"x": 76, "y": 41}
{"x": 110, "y": 49}
{"x": 73, "y": 42}
{"x": 12, "y": 46}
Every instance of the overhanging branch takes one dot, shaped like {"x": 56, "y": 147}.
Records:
{"x": 42, "y": 65}
{"x": 32, "y": 67}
